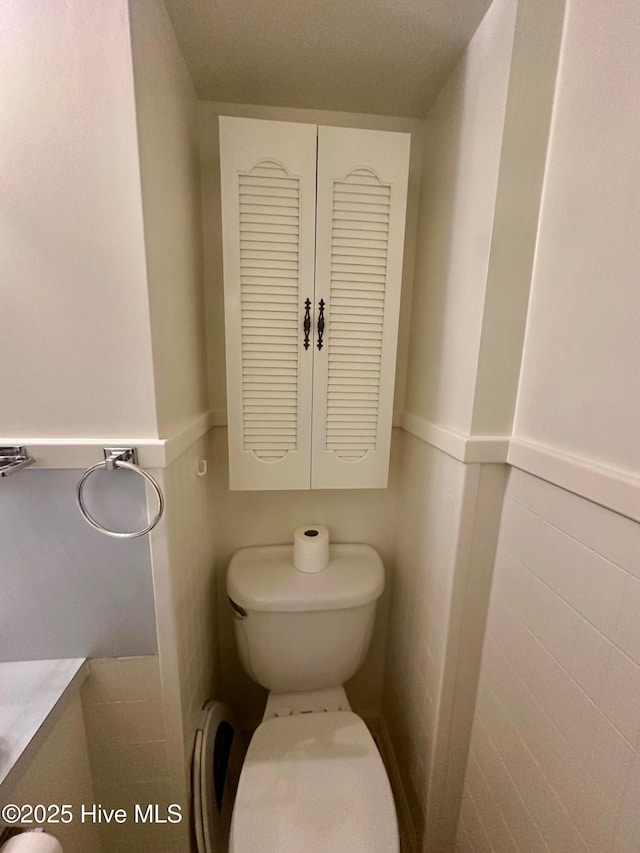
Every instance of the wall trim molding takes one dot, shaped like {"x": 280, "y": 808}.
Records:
{"x": 610, "y": 487}
{"x": 464, "y": 448}
{"x": 183, "y": 438}
{"x": 82, "y": 452}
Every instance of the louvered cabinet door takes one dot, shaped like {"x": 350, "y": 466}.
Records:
{"x": 268, "y": 176}
{"x": 360, "y": 213}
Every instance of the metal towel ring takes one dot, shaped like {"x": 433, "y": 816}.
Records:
{"x": 119, "y": 458}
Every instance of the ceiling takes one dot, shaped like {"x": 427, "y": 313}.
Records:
{"x": 369, "y": 56}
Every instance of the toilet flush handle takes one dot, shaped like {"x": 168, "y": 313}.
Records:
{"x": 238, "y": 612}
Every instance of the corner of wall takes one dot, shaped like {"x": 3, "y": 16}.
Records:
{"x": 529, "y": 104}
{"x": 166, "y": 122}
{"x": 479, "y": 524}
{"x": 464, "y": 131}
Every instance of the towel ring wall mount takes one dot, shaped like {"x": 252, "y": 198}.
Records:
{"x": 114, "y": 458}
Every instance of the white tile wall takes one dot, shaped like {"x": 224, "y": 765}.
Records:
{"x": 556, "y": 734}
{"x": 184, "y": 584}
{"x": 123, "y": 711}
{"x": 442, "y": 574}
{"x": 422, "y": 582}
{"x": 192, "y": 513}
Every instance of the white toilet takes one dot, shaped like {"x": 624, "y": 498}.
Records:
{"x": 312, "y": 780}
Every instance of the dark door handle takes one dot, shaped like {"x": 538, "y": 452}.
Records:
{"x": 320, "y": 323}
{"x": 307, "y": 322}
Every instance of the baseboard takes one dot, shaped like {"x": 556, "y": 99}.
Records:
{"x": 408, "y": 837}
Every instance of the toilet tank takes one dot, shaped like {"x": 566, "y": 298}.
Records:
{"x": 303, "y": 631}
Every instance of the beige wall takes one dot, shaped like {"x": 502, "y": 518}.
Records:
{"x": 579, "y": 387}
{"x": 169, "y": 166}
{"x": 106, "y": 336}
{"x": 463, "y": 140}
{"x": 76, "y": 347}
{"x": 210, "y": 164}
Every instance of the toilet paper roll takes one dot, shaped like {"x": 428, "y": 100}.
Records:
{"x": 311, "y": 548}
{"x": 32, "y": 842}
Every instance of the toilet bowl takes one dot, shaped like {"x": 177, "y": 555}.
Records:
{"x": 312, "y": 779}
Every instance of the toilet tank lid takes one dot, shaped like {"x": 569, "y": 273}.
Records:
{"x": 265, "y": 579}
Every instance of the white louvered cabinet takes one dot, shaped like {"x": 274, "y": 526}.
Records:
{"x": 313, "y": 226}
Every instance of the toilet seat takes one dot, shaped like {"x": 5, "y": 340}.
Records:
{"x": 217, "y": 759}
{"x": 314, "y": 783}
